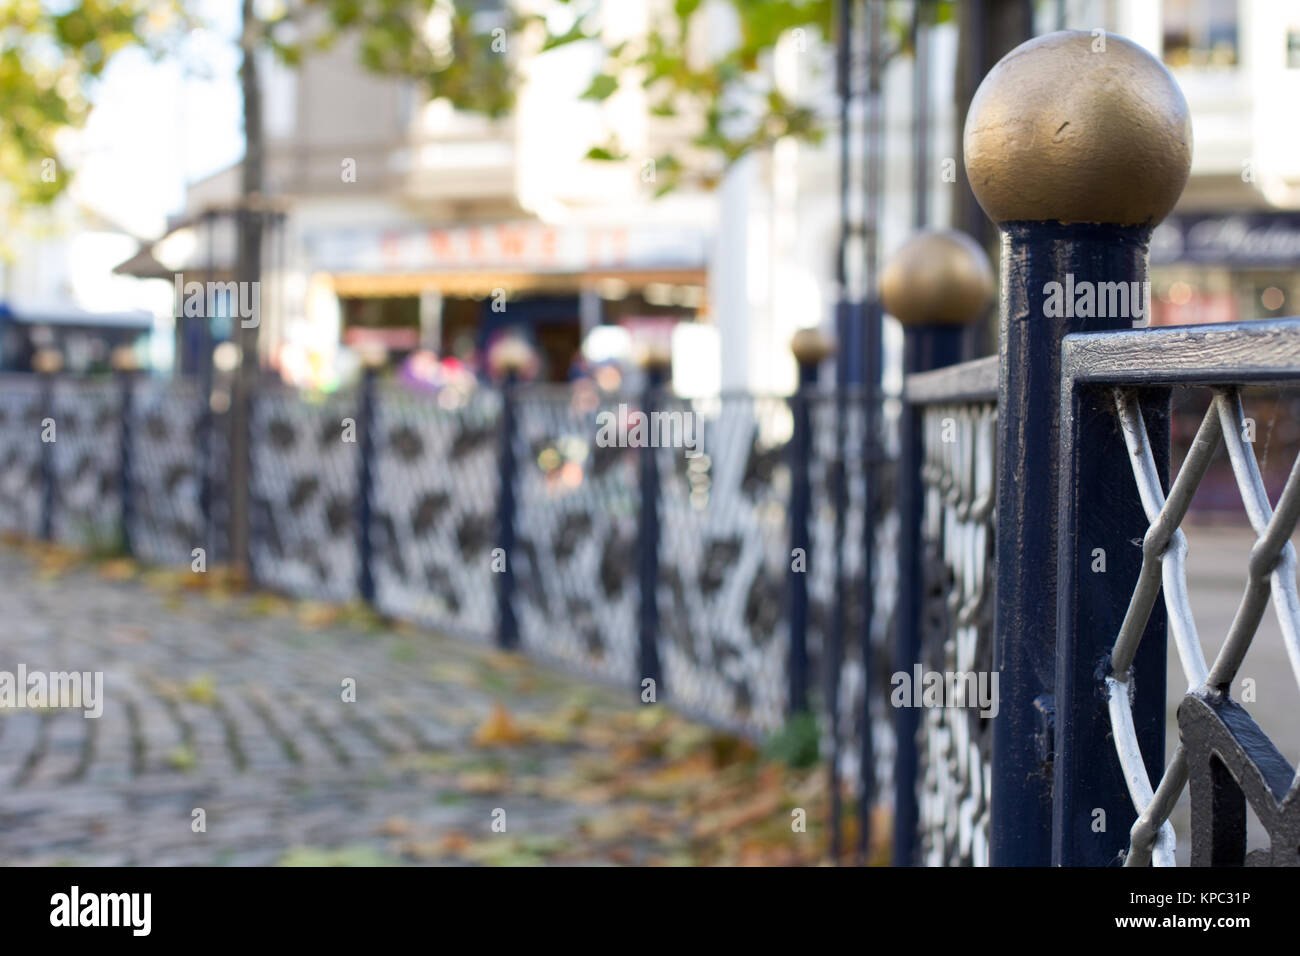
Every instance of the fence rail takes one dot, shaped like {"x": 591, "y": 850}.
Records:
{"x": 1228, "y": 760}
{"x": 394, "y": 496}
{"x": 128, "y": 457}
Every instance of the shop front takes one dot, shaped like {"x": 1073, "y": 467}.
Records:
{"x": 1241, "y": 267}
{"x": 1217, "y": 267}
{"x": 451, "y": 291}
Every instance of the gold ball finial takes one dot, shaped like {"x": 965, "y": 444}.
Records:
{"x": 122, "y": 359}
{"x": 512, "y": 355}
{"x": 937, "y": 278}
{"x": 1076, "y": 128}
{"x": 654, "y": 355}
{"x": 373, "y": 355}
{"x": 811, "y": 346}
{"x": 47, "y": 361}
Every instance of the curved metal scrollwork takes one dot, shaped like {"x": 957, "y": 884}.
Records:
{"x": 1227, "y": 758}
{"x": 959, "y": 446}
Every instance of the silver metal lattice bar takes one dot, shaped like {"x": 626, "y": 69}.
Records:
{"x": 1272, "y": 571}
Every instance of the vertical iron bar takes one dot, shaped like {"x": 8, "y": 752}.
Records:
{"x": 48, "y": 476}
{"x": 365, "y": 486}
{"x": 206, "y": 417}
{"x": 206, "y": 431}
{"x": 648, "y": 541}
{"x": 507, "y": 623}
{"x": 925, "y": 348}
{"x": 847, "y": 322}
{"x": 835, "y": 636}
{"x": 249, "y": 519}
{"x": 873, "y": 448}
{"x": 126, "y": 383}
{"x": 801, "y": 452}
{"x": 1100, "y": 509}
{"x": 1036, "y": 256}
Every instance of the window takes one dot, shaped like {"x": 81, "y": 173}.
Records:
{"x": 1200, "y": 33}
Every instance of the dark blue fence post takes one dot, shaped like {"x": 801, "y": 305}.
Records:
{"x": 206, "y": 431}
{"x": 848, "y": 324}
{"x": 511, "y": 357}
{"x": 507, "y": 623}
{"x": 47, "y": 363}
{"x": 811, "y": 347}
{"x": 936, "y": 285}
{"x": 124, "y": 365}
{"x": 366, "y": 479}
{"x": 1075, "y": 146}
{"x": 656, "y": 364}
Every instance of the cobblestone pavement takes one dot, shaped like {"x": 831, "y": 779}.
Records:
{"x": 233, "y": 705}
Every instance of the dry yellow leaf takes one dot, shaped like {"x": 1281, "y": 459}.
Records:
{"x": 498, "y": 730}
{"x": 118, "y": 569}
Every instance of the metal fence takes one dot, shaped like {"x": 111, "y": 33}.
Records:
{"x": 1227, "y": 760}
{"x": 1070, "y": 605}
{"x": 950, "y": 567}
{"x": 397, "y": 497}
{"x": 982, "y": 629}
{"x": 760, "y": 605}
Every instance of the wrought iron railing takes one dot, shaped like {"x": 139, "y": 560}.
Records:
{"x": 167, "y": 461}
{"x": 577, "y": 534}
{"x": 949, "y": 578}
{"x": 132, "y": 456}
{"x": 1228, "y": 760}
{"x": 434, "y": 507}
{"x": 21, "y": 463}
{"x": 394, "y": 496}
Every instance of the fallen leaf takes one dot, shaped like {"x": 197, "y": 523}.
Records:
{"x": 118, "y": 569}
{"x": 761, "y": 807}
{"x": 395, "y": 826}
{"x": 481, "y": 781}
{"x": 498, "y": 730}
{"x": 201, "y": 689}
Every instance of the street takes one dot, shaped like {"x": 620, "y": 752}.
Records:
{"x": 233, "y": 705}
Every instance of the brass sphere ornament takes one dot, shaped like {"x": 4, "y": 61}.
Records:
{"x": 512, "y": 356}
{"x": 937, "y": 278}
{"x": 811, "y": 346}
{"x": 654, "y": 355}
{"x": 373, "y": 355}
{"x": 1075, "y": 128}
{"x": 122, "y": 359}
{"x": 47, "y": 361}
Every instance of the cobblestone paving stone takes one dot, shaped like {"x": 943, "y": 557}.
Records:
{"x": 233, "y": 704}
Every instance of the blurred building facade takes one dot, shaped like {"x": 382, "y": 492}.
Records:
{"x": 419, "y": 226}
{"x": 411, "y": 223}
{"x": 1230, "y": 250}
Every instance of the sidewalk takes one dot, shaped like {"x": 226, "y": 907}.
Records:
{"x": 1217, "y": 561}
{"x": 233, "y": 704}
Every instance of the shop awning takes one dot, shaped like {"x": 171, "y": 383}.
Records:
{"x": 482, "y": 284}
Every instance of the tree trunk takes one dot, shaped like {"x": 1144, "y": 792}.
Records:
{"x": 249, "y": 225}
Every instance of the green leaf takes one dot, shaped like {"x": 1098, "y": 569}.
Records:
{"x": 603, "y": 154}
{"x": 602, "y": 87}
